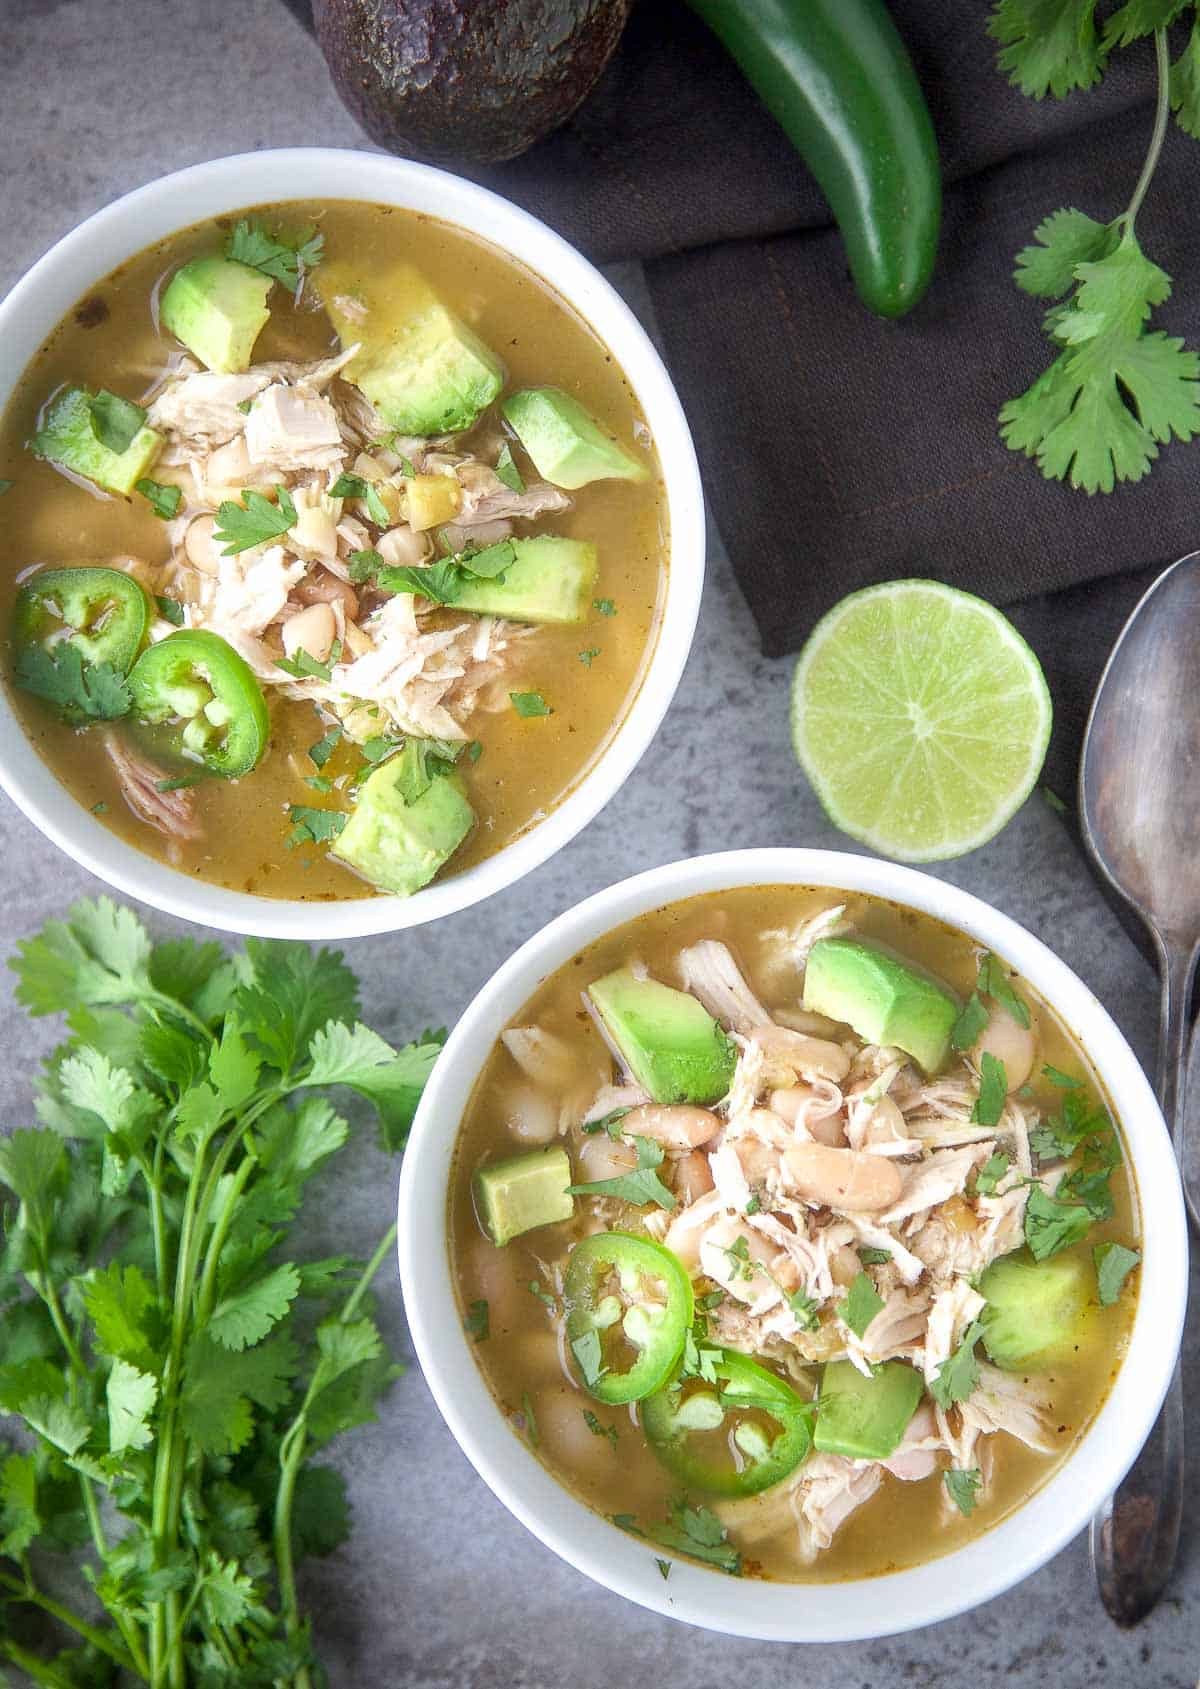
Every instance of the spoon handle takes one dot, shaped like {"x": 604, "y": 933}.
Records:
{"x": 1136, "y": 1533}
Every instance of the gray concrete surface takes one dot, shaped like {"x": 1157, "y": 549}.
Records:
{"x": 439, "y": 1588}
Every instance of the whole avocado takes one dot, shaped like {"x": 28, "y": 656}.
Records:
{"x": 465, "y": 81}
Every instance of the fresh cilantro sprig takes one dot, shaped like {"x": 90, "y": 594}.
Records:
{"x": 958, "y": 1376}
{"x": 639, "y": 1187}
{"x": 441, "y": 582}
{"x": 255, "y": 521}
{"x": 284, "y": 260}
{"x": 162, "y": 1351}
{"x": 1116, "y": 390}
{"x": 79, "y": 691}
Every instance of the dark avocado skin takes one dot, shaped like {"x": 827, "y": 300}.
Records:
{"x": 465, "y": 81}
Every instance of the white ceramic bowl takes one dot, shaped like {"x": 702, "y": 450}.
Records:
{"x": 838, "y": 1612}
{"x": 85, "y": 256}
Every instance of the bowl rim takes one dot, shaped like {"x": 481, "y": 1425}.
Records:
{"x": 46, "y": 293}
{"x": 860, "y": 1609}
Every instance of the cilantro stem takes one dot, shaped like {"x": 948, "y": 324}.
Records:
{"x": 291, "y": 1458}
{"x": 99, "y": 1639}
{"x": 1162, "y": 112}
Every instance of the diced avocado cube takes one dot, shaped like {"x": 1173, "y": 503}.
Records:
{"x": 567, "y": 445}
{"x": 69, "y": 440}
{"x": 423, "y": 370}
{"x": 400, "y": 846}
{"x": 218, "y": 308}
{"x": 865, "y": 1418}
{"x": 1035, "y": 1310}
{"x": 670, "y": 1043}
{"x": 885, "y": 1000}
{"x": 549, "y": 580}
{"x": 431, "y": 500}
{"x": 523, "y": 1192}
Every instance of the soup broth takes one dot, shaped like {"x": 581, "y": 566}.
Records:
{"x": 560, "y": 1080}
{"x": 253, "y": 832}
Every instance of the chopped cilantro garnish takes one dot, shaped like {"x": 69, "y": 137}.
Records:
{"x": 639, "y": 1187}
{"x": 82, "y": 692}
{"x": 255, "y": 521}
{"x": 970, "y": 1024}
{"x": 958, "y": 1376}
{"x": 963, "y": 1488}
{"x": 529, "y": 704}
{"x": 1052, "y": 1226}
{"x": 1064, "y": 1081}
{"x": 598, "y": 1430}
{"x": 163, "y": 500}
{"x": 507, "y": 471}
{"x": 314, "y": 826}
{"x": 1053, "y": 801}
{"x": 364, "y": 565}
{"x": 304, "y": 666}
{"x": 1114, "y": 1263}
{"x": 170, "y": 609}
{"x": 100, "y": 808}
{"x": 544, "y": 1297}
{"x": 589, "y": 1356}
{"x": 605, "y": 606}
{"x": 115, "y": 421}
{"x": 873, "y": 1257}
{"x": 477, "y": 1323}
{"x": 355, "y": 486}
{"x": 664, "y": 1567}
{"x": 6, "y": 487}
{"x": 276, "y": 256}
{"x": 610, "y": 1123}
{"x": 993, "y": 982}
{"x": 531, "y": 1429}
{"x": 991, "y": 1173}
{"x": 861, "y": 1305}
{"x": 588, "y": 657}
{"x": 753, "y": 1206}
{"x": 321, "y": 752}
{"x": 993, "y": 1090}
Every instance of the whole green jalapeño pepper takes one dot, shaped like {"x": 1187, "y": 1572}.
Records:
{"x": 194, "y": 683}
{"x": 629, "y": 1307}
{"x": 102, "y": 612}
{"x": 733, "y": 1436}
{"x": 835, "y": 75}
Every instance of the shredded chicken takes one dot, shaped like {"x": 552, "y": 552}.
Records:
{"x": 172, "y": 813}
{"x": 709, "y": 972}
{"x": 487, "y": 499}
{"x": 289, "y": 428}
{"x": 1005, "y": 1401}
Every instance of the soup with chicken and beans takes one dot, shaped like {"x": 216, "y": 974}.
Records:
{"x": 794, "y": 1234}
{"x": 333, "y": 546}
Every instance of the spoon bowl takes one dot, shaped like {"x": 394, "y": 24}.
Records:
{"x": 1139, "y": 808}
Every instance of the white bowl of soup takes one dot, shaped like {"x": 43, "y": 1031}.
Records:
{"x": 794, "y": 1244}
{"x": 352, "y": 549}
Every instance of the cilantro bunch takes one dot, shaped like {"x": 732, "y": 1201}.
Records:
{"x": 168, "y": 1368}
{"x": 1117, "y": 390}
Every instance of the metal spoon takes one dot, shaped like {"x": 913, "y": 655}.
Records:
{"x": 1139, "y": 806}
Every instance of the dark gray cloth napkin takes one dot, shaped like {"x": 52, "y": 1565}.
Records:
{"x": 838, "y": 449}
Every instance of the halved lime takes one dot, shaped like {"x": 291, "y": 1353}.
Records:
{"x": 921, "y": 717}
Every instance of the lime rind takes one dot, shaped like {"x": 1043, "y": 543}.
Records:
{"x": 921, "y": 718}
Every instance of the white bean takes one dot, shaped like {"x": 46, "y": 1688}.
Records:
{"x": 678, "y": 1127}
{"x": 201, "y": 548}
{"x": 842, "y": 1178}
{"x": 796, "y": 1102}
{"x": 692, "y": 1176}
{"x": 811, "y": 1058}
{"x": 602, "y": 1158}
{"x": 531, "y": 1116}
{"x": 401, "y": 547}
{"x": 312, "y": 630}
{"x": 1014, "y": 1045}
